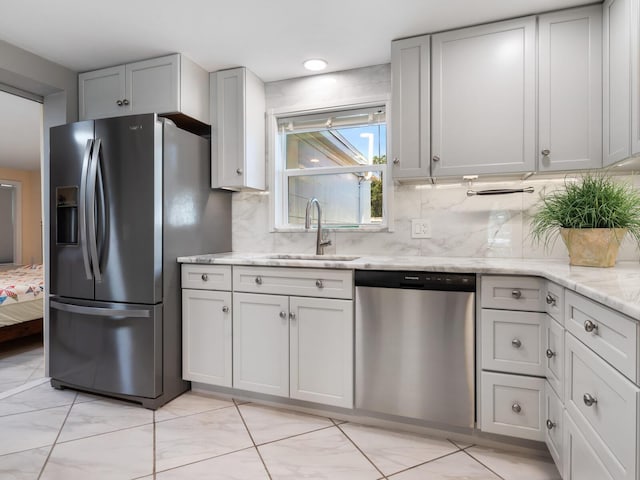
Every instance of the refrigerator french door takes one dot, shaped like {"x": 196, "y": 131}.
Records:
{"x": 106, "y": 256}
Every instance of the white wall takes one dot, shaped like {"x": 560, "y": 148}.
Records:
{"x": 488, "y": 226}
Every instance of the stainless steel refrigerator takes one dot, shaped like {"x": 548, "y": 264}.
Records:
{"x": 128, "y": 196}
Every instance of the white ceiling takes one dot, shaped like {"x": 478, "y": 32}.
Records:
{"x": 20, "y": 132}
{"x": 272, "y": 38}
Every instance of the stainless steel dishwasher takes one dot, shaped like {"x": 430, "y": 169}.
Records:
{"x": 415, "y": 345}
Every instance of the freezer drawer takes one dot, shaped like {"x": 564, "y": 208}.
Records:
{"x": 107, "y": 347}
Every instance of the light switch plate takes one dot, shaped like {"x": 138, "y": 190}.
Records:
{"x": 420, "y": 228}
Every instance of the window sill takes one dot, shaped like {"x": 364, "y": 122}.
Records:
{"x": 358, "y": 229}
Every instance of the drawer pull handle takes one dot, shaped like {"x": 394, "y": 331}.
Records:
{"x": 550, "y": 353}
{"x": 516, "y": 294}
{"x": 550, "y": 299}
{"x": 119, "y": 103}
{"x": 258, "y": 280}
{"x": 292, "y": 316}
{"x": 588, "y": 400}
{"x": 283, "y": 314}
{"x": 550, "y": 425}
{"x": 516, "y": 407}
{"x": 225, "y": 309}
{"x": 205, "y": 277}
{"x": 396, "y": 161}
{"x": 238, "y": 171}
{"x": 319, "y": 284}
{"x": 516, "y": 343}
{"x": 589, "y": 326}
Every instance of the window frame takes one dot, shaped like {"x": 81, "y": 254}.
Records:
{"x": 279, "y": 175}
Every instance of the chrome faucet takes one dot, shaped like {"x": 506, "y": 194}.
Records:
{"x": 307, "y": 224}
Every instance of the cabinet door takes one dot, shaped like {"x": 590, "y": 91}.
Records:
{"x": 484, "y": 99}
{"x": 581, "y": 460}
{"x": 616, "y": 76}
{"x": 570, "y": 89}
{"x": 410, "y": 129}
{"x": 554, "y": 423}
{"x": 261, "y": 343}
{"x": 554, "y": 355}
{"x": 100, "y": 91}
{"x": 322, "y": 351}
{"x": 154, "y": 85}
{"x": 635, "y": 77}
{"x": 206, "y": 336}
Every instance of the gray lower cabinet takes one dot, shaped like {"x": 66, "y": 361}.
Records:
{"x": 483, "y": 111}
{"x": 570, "y": 89}
{"x": 410, "y": 95}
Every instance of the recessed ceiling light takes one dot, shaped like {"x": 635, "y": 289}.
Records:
{"x": 314, "y": 160}
{"x": 315, "y": 64}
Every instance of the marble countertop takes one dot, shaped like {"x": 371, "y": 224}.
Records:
{"x": 617, "y": 287}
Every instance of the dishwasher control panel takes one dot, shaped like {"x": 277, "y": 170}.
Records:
{"x": 462, "y": 282}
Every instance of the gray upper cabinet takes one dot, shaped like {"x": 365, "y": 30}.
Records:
{"x": 238, "y": 133}
{"x": 570, "y": 89}
{"x": 621, "y": 125}
{"x": 483, "y": 98}
{"x": 410, "y": 129}
{"x": 170, "y": 84}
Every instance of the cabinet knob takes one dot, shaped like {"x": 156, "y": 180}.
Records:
{"x": 516, "y": 343}
{"x": 589, "y": 326}
{"x": 225, "y": 309}
{"x": 396, "y": 161}
{"x": 125, "y": 102}
{"x": 239, "y": 171}
{"x": 516, "y": 407}
{"x": 516, "y": 294}
{"x": 258, "y": 280}
{"x": 550, "y": 299}
{"x": 292, "y": 316}
{"x": 550, "y": 353}
{"x": 283, "y": 314}
{"x": 319, "y": 284}
{"x": 204, "y": 277}
{"x": 545, "y": 152}
{"x": 588, "y": 400}
{"x": 436, "y": 158}
{"x": 550, "y": 424}
{"x": 119, "y": 103}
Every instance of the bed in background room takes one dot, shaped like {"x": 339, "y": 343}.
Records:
{"x": 21, "y": 301}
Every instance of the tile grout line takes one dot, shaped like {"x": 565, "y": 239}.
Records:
{"x": 153, "y": 466}
{"x": 295, "y": 435}
{"x": 35, "y": 410}
{"x": 360, "y": 450}
{"x": 194, "y": 414}
{"x": 425, "y": 463}
{"x": 492, "y": 471}
{"x": 252, "y": 440}
{"x": 46, "y": 461}
{"x": 199, "y": 461}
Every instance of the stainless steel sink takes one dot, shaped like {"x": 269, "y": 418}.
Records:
{"x": 322, "y": 258}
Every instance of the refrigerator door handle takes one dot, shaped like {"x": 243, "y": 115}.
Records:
{"x": 99, "y": 311}
{"x": 83, "y": 209}
{"x": 91, "y": 210}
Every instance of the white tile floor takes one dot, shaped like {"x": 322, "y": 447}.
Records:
{"x": 50, "y": 434}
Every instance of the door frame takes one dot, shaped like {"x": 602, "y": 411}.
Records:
{"x": 17, "y": 215}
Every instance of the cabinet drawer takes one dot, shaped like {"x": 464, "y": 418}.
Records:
{"x": 603, "y": 404}
{"x": 512, "y": 341}
{"x": 513, "y": 405}
{"x": 554, "y": 424}
{"x": 304, "y": 282}
{"x": 582, "y": 461}
{"x": 513, "y": 293}
{"x": 553, "y": 351}
{"x": 554, "y": 302}
{"x": 610, "y": 334}
{"x": 206, "y": 277}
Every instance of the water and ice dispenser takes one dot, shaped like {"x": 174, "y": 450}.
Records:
{"x": 67, "y": 215}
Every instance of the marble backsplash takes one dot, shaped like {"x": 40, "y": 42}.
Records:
{"x": 478, "y": 226}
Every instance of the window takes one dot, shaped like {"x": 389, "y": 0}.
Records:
{"x": 338, "y": 157}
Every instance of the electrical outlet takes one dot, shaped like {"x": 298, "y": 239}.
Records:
{"x": 420, "y": 228}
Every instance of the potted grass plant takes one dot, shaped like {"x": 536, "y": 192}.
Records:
{"x": 591, "y": 215}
